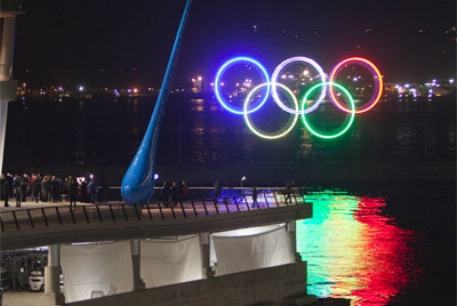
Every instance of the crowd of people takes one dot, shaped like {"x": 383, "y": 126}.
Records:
{"x": 18, "y": 188}
{"x": 174, "y": 192}
{"x": 48, "y": 188}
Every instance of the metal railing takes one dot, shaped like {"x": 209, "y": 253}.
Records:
{"x": 46, "y": 216}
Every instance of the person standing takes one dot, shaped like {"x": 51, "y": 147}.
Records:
{"x": 185, "y": 190}
{"x": 254, "y": 197}
{"x": 217, "y": 190}
{"x": 72, "y": 188}
{"x": 18, "y": 190}
{"x": 25, "y": 186}
{"x": 54, "y": 189}
{"x": 9, "y": 180}
{"x": 179, "y": 192}
{"x": 83, "y": 191}
{"x": 4, "y": 189}
{"x": 288, "y": 192}
{"x": 92, "y": 189}
{"x": 36, "y": 187}
{"x": 45, "y": 186}
{"x": 173, "y": 195}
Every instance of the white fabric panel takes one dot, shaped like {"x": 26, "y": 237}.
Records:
{"x": 252, "y": 248}
{"x": 165, "y": 262}
{"x": 96, "y": 270}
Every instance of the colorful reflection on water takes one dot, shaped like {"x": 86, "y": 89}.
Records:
{"x": 353, "y": 251}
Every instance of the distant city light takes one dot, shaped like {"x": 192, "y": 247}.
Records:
{"x": 81, "y": 88}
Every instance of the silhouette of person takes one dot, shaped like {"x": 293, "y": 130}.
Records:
{"x": 92, "y": 189}
{"x": 254, "y": 197}
{"x": 185, "y": 190}
{"x": 72, "y": 190}
{"x": 4, "y": 189}
{"x": 288, "y": 192}
{"x": 217, "y": 189}
{"x": 173, "y": 194}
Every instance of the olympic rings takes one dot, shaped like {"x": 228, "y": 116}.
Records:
{"x": 217, "y": 83}
{"x": 326, "y": 87}
{"x": 251, "y": 126}
{"x": 373, "y": 69}
{"x": 351, "y": 116}
{"x": 285, "y": 63}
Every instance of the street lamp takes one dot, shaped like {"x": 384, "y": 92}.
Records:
{"x": 243, "y": 178}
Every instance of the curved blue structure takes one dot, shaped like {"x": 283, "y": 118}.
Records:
{"x": 138, "y": 182}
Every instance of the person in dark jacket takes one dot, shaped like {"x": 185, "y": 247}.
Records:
{"x": 9, "y": 179}
{"x": 254, "y": 197}
{"x": 18, "y": 182}
{"x": 36, "y": 187}
{"x": 4, "y": 189}
{"x": 72, "y": 187}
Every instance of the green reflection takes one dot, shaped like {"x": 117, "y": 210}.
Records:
{"x": 330, "y": 239}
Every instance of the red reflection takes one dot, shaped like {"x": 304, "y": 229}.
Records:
{"x": 387, "y": 254}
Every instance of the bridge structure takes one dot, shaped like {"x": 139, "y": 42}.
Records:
{"x": 62, "y": 227}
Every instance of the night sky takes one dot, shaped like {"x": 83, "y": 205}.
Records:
{"x": 117, "y": 42}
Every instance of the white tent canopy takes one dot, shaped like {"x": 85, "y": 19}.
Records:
{"x": 101, "y": 269}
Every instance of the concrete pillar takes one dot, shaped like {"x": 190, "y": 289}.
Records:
{"x": 207, "y": 271}
{"x": 52, "y": 277}
{"x": 6, "y": 68}
{"x": 138, "y": 283}
{"x": 291, "y": 227}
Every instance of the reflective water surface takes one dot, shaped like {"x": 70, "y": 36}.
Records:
{"x": 358, "y": 248}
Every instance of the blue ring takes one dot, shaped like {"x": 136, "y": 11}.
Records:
{"x": 224, "y": 67}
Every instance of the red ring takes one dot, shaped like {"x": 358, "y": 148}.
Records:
{"x": 373, "y": 69}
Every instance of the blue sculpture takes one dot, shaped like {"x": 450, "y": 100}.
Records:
{"x": 138, "y": 182}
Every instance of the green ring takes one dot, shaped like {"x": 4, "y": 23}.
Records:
{"x": 352, "y": 114}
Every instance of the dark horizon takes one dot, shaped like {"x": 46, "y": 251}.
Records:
{"x": 70, "y": 43}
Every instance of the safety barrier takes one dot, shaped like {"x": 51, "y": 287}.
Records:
{"x": 15, "y": 219}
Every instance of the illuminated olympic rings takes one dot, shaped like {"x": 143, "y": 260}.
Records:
{"x": 308, "y": 105}
{"x": 284, "y": 64}
{"x": 351, "y": 111}
{"x": 377, "y": 76}
{"x": 251, "y": 126}
{"x": 217, "y": 83}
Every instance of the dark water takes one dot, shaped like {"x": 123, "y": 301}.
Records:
{"x": 377, "y": 245}
{"x": 106, "y": 133}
